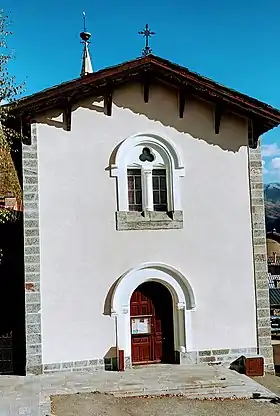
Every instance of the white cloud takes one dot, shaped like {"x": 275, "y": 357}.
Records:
{"x": 273, "y": 168}
{"x": 270, "y": 150}
{"x": 265, "y": 171}
{"x": 275, "y": 163}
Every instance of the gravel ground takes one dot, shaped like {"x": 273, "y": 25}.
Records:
{"x": 270, "y": 382}
{"x": 95, "y": 404}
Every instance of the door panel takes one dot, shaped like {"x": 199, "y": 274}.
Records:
{"x": 142, "y": 349}
{"x": 151, "y": 302}
{"x": 142, "y": 344}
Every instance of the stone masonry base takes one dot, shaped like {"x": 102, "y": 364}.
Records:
{"x": 222, "y": 357}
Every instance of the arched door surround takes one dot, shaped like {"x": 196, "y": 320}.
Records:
{"x": 117, "y": 303}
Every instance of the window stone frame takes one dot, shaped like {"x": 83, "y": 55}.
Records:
{"x": 148, "y": 219}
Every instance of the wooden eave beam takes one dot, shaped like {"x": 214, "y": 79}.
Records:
{"x": 219, "y": 112}
{"x": 146, "y": 88}
{"x": 254, "y": 132}
{"x": 68, "y": 115}
{"x": 26, "y": 128}
{"x": 183, "y": 94}
{"x": 182, "y": 102}
{"x": 108, "y": 100}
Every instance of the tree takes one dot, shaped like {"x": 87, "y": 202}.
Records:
{"x": 9, "y": 92}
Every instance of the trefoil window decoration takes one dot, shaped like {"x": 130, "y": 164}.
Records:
{"x": 146, "y": 155}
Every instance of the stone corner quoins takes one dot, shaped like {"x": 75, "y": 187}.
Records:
{"x": 32, "y": 257}
{"x": 260, "y": 257}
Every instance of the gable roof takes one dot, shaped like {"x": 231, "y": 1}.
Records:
{"x": 157, "y": 69}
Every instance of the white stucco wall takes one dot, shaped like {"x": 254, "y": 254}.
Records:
{"x": 82, "y": 254}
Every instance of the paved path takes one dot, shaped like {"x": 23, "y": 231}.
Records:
{"x": 31, "y": 395}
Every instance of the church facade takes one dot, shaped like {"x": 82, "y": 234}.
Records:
{"x": 144, "y": 220}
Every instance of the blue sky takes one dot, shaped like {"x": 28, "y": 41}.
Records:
{"x": 234, "y": 42}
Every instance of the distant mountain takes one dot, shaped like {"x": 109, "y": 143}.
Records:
{"x": 272, "y": 206}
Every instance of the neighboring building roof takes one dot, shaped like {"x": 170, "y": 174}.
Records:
{"x": 152, "y": 68}
{"x": 274, "y": 296}
{"x": 273, "y": 235}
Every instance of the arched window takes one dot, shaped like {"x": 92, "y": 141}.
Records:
{"x": 148, "y": 169}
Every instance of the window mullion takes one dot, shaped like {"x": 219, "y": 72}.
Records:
{"x": 147, "y": 188}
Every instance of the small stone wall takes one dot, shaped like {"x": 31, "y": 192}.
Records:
{"x": 100, "y": 364}
{"x": 224, "y": 356}
{"x": 86, "y": 365}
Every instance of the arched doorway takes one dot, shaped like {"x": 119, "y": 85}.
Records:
{"x": 179, "y": 290}
{"x": 152, "y": 327}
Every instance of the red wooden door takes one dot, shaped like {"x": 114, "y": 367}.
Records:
{"x": 151, "y": 324}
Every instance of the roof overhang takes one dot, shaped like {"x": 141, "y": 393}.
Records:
{"x": 151, "y": 69}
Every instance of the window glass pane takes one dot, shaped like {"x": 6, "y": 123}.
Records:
{"x": 134, "y": 172}
{"x": 159, "y": 172}
{"x": 160, "y": 207}
{"x": 138, "y": 197}
{"x": 135, "y": 207}
{"x": 130, "y": 182}
{"x": 155, "y": 182}
{"x": 156, "y": 197}
{"x": 134, "y": 190}
{"x": 130, "y": 197}
{"x": 163, "y": 197}
{"x": 137, "y": 182}
{"x": 160, "y": 190}
{"x": 163, "y": 182}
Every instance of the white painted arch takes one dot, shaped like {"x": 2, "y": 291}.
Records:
{"x": 162, "y": 144}
{"x": 174, "y": 280}
{"x": 182, "y": 296}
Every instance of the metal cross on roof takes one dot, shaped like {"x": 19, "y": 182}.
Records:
{"x": 146, "y": 33}
{"x": 84, "y": 18}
